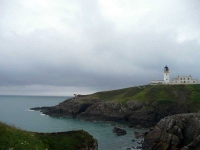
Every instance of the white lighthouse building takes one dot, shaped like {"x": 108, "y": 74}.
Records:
{"x": 166, "y": 75}
{"x": 178, "y": 80}
{"x": 166, "y": 78}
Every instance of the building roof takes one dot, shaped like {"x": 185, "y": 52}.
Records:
{"x": 166, "y": 68}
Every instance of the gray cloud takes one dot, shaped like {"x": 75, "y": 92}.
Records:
{"x": 61, "y": 47}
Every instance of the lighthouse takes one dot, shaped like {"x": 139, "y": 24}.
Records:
{"x": 166, "y": 75}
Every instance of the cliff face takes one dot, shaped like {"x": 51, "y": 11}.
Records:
{"x": 144, "y": 105}
{"x": 145, "y": 114}
{"x": 175, "y": 132}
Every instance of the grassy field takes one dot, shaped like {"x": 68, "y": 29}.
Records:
{"x": 12, "y": 138}
{"x": 153, "y": 93}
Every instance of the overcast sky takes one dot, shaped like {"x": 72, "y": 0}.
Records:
{"x": 62, "y": 47}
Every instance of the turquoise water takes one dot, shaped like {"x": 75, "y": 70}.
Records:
{"x": 14, "y": 110}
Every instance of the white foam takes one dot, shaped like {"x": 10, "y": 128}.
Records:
{"x": 31, "y": 110}
{"x": 28, "y": 110}
{"x": 44, "y": 115}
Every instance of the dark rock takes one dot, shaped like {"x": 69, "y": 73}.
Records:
{"x": 138, "y": 114}
{"x": 119, "y": 131}
{"x": 133, "y": 140}
{"x": 140, "y": 142}
{"x": 139, "y": 135}
{"x": 40, "y": 108}
{"x": 139, "y": 147}
{"x": 121, "y": 126}
{"x": 106, "y": 111}
{"x": 175, "y": 132}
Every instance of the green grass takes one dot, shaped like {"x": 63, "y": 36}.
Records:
{"x": 195, "y": 95}
{"x": 13, "y": 138}
{"x": 73, "y": 140}
{"x": 146, "y": 93}
{"x": 120, "y": 95}
{"x": 17, "y": 139}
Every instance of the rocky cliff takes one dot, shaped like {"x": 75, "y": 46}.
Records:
{"x": 177, "y": 132}
{"x": 145, "y": 114}
{"x": 142, "y": 105}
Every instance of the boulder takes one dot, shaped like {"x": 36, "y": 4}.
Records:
{"x": 178, "y": 132}
{"x": 139, "y": 135}
{"x": 118, "y": 131}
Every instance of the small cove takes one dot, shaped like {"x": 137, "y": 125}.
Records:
{"x": 14, "y": 110}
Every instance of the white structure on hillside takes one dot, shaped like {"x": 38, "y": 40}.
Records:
{"x": 184, "y": 80}
{"x": 166, "y": 75}
{"x": 178, "y": 80}
{"x": 166, "y": 78}
{"x": 156, "y": 82}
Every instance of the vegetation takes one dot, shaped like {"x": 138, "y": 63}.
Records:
{"x": 159, "y": 93}
{"x": 15, "y": 139}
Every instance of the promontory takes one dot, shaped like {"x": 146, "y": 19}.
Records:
{"x": 138, "y": 106}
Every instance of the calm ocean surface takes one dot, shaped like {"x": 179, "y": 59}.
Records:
{"x": 14, "y": 110}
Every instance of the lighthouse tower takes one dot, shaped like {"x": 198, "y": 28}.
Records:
{"x": 166, "y": 75}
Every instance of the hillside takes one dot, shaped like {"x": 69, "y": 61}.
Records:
{"x": 16, "y": 139}
{"x": 141, "y": 105}
{"x": 153, "y": 93}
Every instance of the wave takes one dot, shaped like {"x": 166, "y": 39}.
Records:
{"x": 44, "y": 114}
{"x": 28, "y": 110}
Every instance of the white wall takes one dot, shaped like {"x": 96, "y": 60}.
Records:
{"x": 166, "y": 77}
{"x": 184, "y": 80}
{"x": 155, "y": 82}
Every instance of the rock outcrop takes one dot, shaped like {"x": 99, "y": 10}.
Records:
{"x": 119, "y": 131}
{"x": 177, "y": 132}
{"x": 145, "y": 114}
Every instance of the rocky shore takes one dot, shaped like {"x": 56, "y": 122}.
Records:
{"x": 173, "y": 107}
{"x": 177, "y": 132}
{"x": 136, "y": 113}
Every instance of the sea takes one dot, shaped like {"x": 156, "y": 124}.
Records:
{"x": 15, "y": 111}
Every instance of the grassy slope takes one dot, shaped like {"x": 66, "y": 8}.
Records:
{"x": 13, "y": 138}
{"x": 189, "y": 93}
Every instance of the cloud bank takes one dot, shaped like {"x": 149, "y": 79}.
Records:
{"x": 64, "y": 47}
